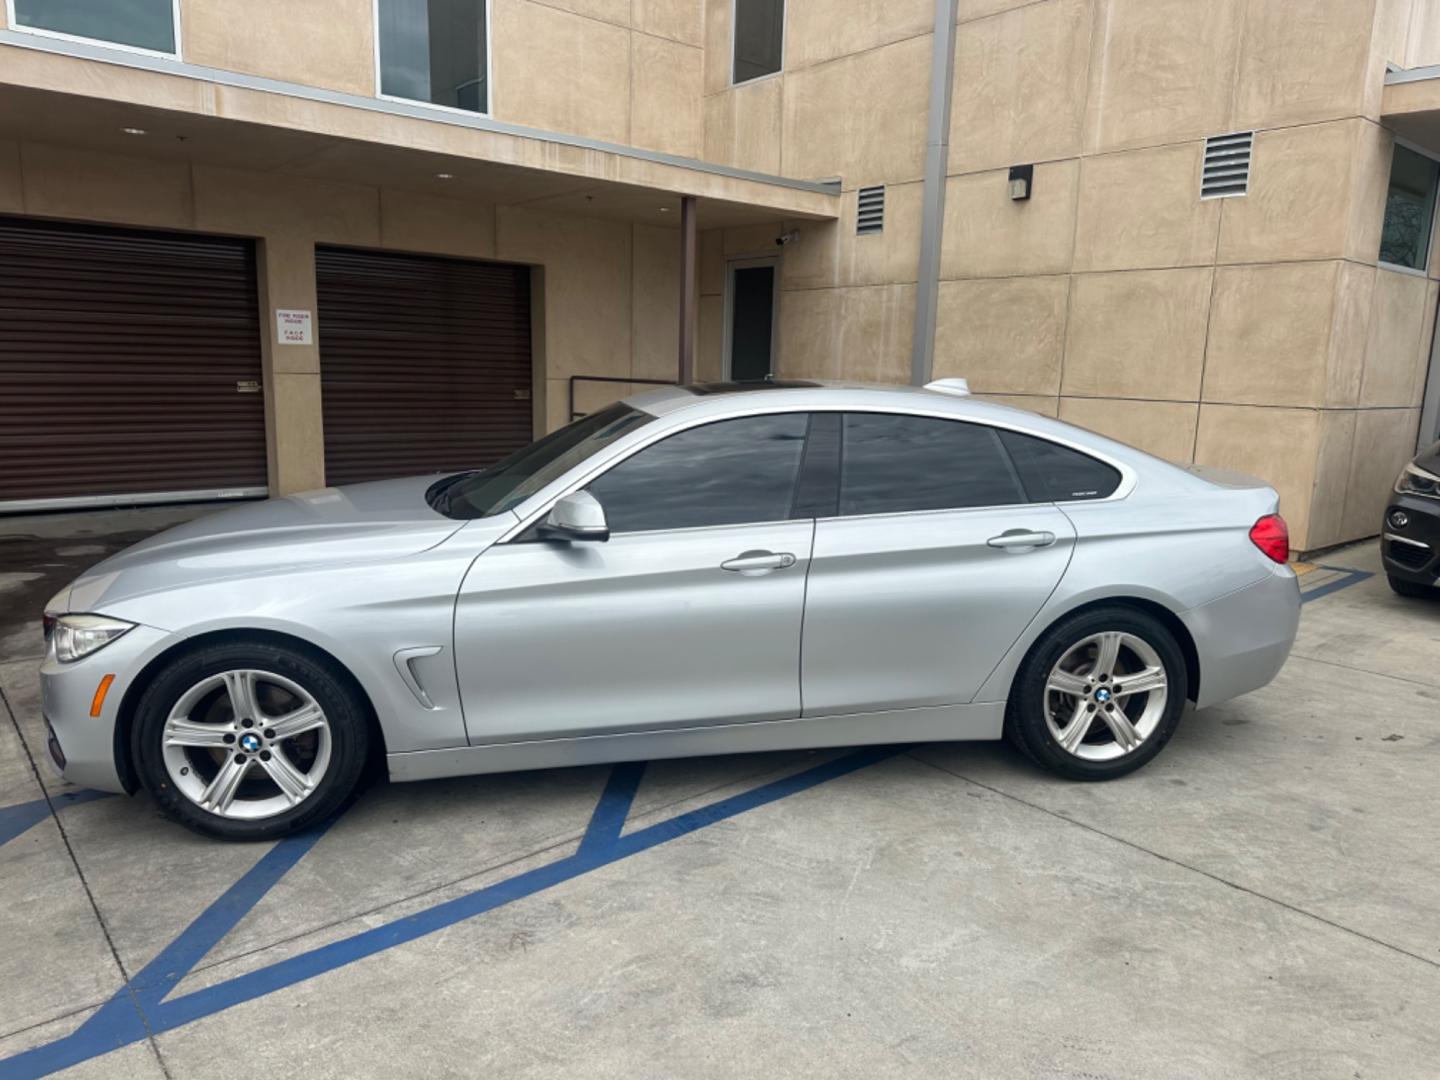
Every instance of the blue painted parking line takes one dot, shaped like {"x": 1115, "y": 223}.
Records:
{"x": 19, "y": 819}
{"x": 140, "y": 1008}
{"x": 1348, "y": 577}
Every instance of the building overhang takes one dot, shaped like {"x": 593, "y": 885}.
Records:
{"x": 86, "y": 95}
{"x": 1410, "y": 106}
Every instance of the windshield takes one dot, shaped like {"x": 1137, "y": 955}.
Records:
{"x": 514, "y": 479}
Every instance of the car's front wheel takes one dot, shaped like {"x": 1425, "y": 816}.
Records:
{"x": 1099, "y": 695}
{"x": 250, "y": 740}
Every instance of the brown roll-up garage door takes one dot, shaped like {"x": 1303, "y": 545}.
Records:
{"x": 129, "y": 366}
{"x": 424, "y": 363}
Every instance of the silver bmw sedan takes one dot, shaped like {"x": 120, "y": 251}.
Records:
{"x": 696, "y": 570}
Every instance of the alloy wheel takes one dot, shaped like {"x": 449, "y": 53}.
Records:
{"x": 246, "y": 744}
{"x": 1105, "y": 696}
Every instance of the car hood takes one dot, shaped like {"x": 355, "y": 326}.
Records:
{"x": 387, "y": 519}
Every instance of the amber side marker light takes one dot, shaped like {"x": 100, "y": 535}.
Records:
{"x": 98, "y": 701}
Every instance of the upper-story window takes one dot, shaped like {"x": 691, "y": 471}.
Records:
{"x": 147, "y": 25}
{"x": 759, "y": 48}
{"x": 435, "y": 51}
{"x": 1409, "y": 209}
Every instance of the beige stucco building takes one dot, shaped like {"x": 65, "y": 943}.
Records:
{"x": 1254, "y": 325}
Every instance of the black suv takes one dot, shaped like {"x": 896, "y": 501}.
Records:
{"x": 1412, "y": 527}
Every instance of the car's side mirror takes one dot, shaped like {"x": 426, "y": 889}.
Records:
{"x": 577, "y": 516}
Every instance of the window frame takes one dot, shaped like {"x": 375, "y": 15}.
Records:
{"x": 452, "y": 110}
{"x": 533, "y": 510}
{"x": 1423, "y": 271}
{"x": 59, "y": 35}
{"x": 784, "y": 41}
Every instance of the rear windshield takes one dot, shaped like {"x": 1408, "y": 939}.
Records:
{"x": 514, "y": 479}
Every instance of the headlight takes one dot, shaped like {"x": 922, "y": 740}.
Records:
{"x": 80, "y": 635}
{"x": 1416, "y": 481}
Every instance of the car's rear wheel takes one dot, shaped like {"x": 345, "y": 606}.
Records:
{"x": 250, "y": 740}
{"x": 1412, "y": 589}
{"x": 1099, "y": 695}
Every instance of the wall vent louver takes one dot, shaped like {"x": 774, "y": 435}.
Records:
{"x": 871, "y": 215}
{"x": 1227, "y": 166}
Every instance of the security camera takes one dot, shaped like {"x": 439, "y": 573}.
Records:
{"x": 787, "y": 238}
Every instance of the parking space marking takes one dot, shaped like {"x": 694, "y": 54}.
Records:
{"x": 19, "y": 819}
{"x": 1347, "y": 578}
{"x": 140, "y": 1010}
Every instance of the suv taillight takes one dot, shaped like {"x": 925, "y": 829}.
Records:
{"x": 1272, "y": 536}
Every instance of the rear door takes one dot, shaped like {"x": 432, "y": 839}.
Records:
{"x": 933, "y": 562}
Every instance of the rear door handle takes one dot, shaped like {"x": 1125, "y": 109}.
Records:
{"x": 752, "y": 563}
{"x": 1021, "y": 538}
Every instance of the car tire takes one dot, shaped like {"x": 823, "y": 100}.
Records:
{"x": 1413, "y": 589}
{"x": 295, "y": 761}
{"x": 1125, "y": 728}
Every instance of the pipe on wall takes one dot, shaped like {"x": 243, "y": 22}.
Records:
{"x": 932, "y": 219}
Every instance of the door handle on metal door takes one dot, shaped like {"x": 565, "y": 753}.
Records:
{"x": 1021, "y": 538}
{"x": 758, "y": 562}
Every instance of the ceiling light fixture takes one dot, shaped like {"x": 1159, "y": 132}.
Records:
{"x": 444, "y": 176}
{"x": 664, "y": 209}
{"x": 133, "y": 131}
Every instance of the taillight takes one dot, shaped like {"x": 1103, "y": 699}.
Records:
{"x": 1272, "y": 536}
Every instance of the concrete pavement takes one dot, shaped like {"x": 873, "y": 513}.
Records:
{"x": 1262, "y": 900}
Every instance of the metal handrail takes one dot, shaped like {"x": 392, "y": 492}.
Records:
{"x": 610, "y": 379}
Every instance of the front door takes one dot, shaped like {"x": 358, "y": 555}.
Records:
{"x": 915, "y": 590}
{"x": 750, "y": 330}
{"x": 689, "y": 614}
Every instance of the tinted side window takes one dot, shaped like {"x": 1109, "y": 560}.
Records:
{"x": 727, "y": 473}
{"x": 891, "y": 464}
{"x": 1054, "y": 473}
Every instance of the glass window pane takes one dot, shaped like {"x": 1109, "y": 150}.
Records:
{"x": 514, "y": 479}
{"x": 728, "y": 473}
{"x": 759, "y": 38}
{"x": 434, "y": 50}
{"x": 145, "y": 24}
{"x": 1054, "y": 473}
{"x": 893, "y": 464}
{"x": 1409, "y": 209}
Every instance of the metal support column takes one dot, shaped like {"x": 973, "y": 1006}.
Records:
{"x": 932, "y": 219}
{"x": 689, "y": 287}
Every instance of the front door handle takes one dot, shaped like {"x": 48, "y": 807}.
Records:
{"x": 1021, "y": 538}
{"x": 752, "y": 563}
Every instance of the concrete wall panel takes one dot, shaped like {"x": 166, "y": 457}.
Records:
{"x": 1139, "y": 334}
{"x": 1005, "y": 335}
{"x": 563, "y": 72}
{"x": 1162, "y": 71}
{"x": 989, "y": 235}
{"x": 329, "y": 43}
{"x": 1019, "y": 86}
{"x": 665, "y": 103}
